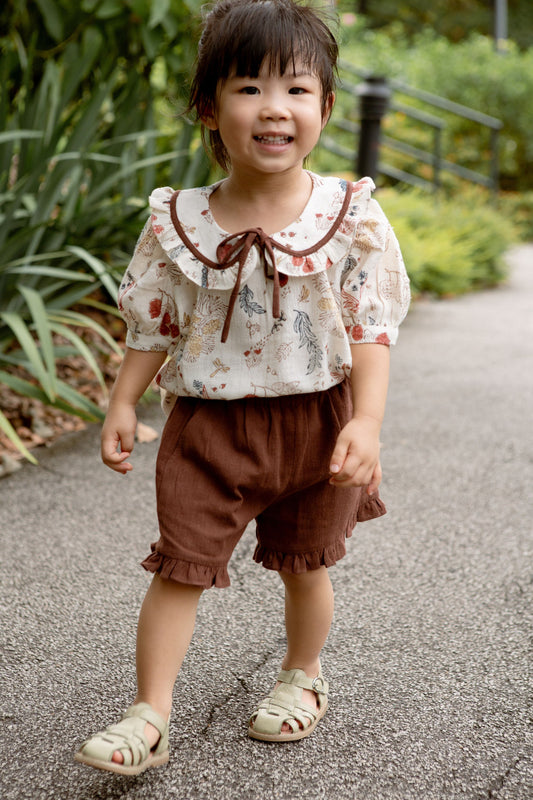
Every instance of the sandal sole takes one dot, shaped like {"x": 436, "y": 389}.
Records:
{"x": 120, "y": 769}
{"x": 288, "y": 737}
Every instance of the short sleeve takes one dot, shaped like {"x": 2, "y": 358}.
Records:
{"x": 374, "y": 286}
{"x": 147, "y": 298}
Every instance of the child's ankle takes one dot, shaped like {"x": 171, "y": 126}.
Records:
{"x": 311, "y": 670}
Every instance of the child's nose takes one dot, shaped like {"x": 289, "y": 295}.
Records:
{"x": 275, "y": 109}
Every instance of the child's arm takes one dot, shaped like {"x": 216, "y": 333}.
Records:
{"x": 137, "y": 371}
{"x": 355, "y": 459}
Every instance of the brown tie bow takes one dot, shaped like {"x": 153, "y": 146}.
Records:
{"x": 234, "y": 249}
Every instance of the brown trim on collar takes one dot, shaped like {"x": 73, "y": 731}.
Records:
{"x": 284, "y": 248}
{"x": 235, "y": 248}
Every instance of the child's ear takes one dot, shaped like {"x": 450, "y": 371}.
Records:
{"x": 209, "y": 120}
{"x": 328, "y": 108}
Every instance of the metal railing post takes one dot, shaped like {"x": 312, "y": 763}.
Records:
{"x": 374, "y": 95}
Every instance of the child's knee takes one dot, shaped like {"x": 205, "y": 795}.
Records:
{"x": 303, "y": 580}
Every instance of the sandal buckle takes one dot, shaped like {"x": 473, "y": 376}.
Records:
{"x": 319, "y": 685}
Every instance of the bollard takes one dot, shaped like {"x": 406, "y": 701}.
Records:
{"x": 374, "y": 95}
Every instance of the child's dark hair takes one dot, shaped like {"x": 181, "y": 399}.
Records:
{"x": 239, "y": 35}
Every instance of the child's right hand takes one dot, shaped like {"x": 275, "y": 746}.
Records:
{"x": 118, "y": 432}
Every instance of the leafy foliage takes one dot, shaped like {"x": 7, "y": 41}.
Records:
{"x": 79, "y": 154}
{"x": 469, "y": 72}
{"x": 454, "y": 19}
{"x": 449, "y": 246}
{"x": 519, "y": 208}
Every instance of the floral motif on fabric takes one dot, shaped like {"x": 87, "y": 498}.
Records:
{"x": 248, "y": 304}
{"x": 308, "y": 340}
{"x": 352, "y": 289}
{"x": 147, "y": 241}
{"x": 206, "y": 322}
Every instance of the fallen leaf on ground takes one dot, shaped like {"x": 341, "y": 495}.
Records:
{"x": 145, "y": 433}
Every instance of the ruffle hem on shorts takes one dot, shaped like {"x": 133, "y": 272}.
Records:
{"x": 176, "y": 569}
{"x": 370, "y": 507}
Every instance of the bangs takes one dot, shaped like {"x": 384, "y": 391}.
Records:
{"x": 267, "y": 35}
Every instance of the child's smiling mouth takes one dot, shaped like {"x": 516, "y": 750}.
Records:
{"x": 278, "y": 139}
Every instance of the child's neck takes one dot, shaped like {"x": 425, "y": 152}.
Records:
{"x": 272, "y": 203}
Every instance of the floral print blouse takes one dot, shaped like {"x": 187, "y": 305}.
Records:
{"x": 251, "y": 315}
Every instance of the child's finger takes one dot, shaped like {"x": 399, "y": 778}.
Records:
{"x": 109, "y": 450}
{"x": 373, "y": 486}
{"x": 116, "y": 443}
{"x": 357, "y": 479}
{"x": 115, "y": 452}
{"x": 117, "y": 461}
{"x": 124, "y": 467}
{"x": 127, "y": 441}
{"x": 338, "y": 457}
{"x": 350, "y": 469}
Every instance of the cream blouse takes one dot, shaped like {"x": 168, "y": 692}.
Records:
{"x": 240, "y": 317}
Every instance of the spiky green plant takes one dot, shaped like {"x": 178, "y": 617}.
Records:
{"x": 79, "y": 153}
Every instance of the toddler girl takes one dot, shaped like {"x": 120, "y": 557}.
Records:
{"x": 265, "y": 304}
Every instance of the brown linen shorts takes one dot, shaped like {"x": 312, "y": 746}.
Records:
{"x": 222, "y": 464}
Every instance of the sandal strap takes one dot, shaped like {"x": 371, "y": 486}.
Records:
{"x": 133, "y": 745}
{"x": 146, "y": 712}
{"x": 121, "y": 737}
{"x": 274, "y": 711}
{"x": 297, "y": 677}
{"x": 284, "y": 704}
{"x": 278, "y": 703}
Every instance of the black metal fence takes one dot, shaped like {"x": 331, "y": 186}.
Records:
{"x": 359, "y": 120}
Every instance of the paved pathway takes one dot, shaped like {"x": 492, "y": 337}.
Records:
{"x": 428, "y": 657}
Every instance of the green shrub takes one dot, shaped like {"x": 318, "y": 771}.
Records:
{"x": 519, "y": 208}
{"x": 449, "y": 246}
{"x": 455, "y": 19}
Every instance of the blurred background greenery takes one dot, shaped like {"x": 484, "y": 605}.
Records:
{"x": 91, "y": 102}
{"x": 455, "y": 20}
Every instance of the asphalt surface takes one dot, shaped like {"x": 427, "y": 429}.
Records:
{"x": 428, "y": 657}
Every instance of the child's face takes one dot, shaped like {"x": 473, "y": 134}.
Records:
{"x": 270, "y": 123}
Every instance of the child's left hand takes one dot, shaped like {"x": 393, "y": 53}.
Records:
{"x": 355, "y": 459}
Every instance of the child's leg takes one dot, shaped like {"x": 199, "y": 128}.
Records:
{"x": 308, "y": 617}
{"x": 164, "y": 632}
{"x": 165, "y": 629}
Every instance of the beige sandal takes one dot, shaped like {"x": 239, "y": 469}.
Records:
{"x": 284, "y": 705}
{"x": 127, "y": 737}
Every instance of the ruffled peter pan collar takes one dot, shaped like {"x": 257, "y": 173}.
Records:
{"x": 214, "y": 259}
{"x": 320, "y": 213}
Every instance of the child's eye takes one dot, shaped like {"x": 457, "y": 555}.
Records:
{"x": 297, "y": 90}
{"x": 249, "y": 90}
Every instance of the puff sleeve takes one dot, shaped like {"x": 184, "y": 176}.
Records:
{"x": 375, "y": 286}
{"x": 147, "y": 297}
